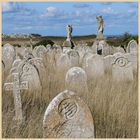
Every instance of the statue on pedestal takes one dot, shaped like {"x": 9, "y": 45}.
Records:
{"x": 100, "y": 27}
{"x": 69, "y": 32}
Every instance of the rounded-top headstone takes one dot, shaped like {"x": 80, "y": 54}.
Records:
{"x": 132, "y": 47}
{"x": 122, "y": 68}
{"x": 67, "y": 116}
{"x": 76, "y": 80}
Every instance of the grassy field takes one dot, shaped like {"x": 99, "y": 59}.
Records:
{"x": 114, "y": 107}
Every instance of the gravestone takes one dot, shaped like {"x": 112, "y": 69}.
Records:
{"x": 132, "y": 47}
{"x": 63, "y": 63}
{"x": 108, "y": 60}
{"x": 16, "y": 62}
{"x": 133, "y": 58}
{"x": 16, "y": 86}
{"x": 122, "y": 69}
{"x": 76, "y": 80}
{"x": 29, "y": 72}
{"x": 42, "y": 72}
{"x": 85, "y": 57}
{"x": 118, "y": 49}
{"x": 8, "y": 56}
{"x": 67, "y": 116}
{"x": 94, "y": 66}
{"x": 39, "y": 51}
{"x": 74, "y": 58}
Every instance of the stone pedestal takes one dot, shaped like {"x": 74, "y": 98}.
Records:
{"x": 68, "y": 43}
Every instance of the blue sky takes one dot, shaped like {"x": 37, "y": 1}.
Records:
{"x": 51, "y": 18}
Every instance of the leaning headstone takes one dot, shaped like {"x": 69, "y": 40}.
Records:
{"x": 122, "y": 69}
{"x": 67, "y": 116}
{"x": 16, "y": 86}
{"x": 132, "y": 47}
{"x": 94, "y": 66}
{"x": 76, "y": 80}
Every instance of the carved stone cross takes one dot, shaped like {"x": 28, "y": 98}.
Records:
{"x": 17, "y": 86}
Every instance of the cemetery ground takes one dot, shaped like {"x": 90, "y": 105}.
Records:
{"x": 114, "y": 107}
{"x": 113, "y": 104}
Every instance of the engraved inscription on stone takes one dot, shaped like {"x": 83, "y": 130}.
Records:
{"x": 121, "y": 61}
{"x": 67, "y": 108}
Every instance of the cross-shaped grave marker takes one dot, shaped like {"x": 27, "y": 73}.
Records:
{"x": 17, "y": 86}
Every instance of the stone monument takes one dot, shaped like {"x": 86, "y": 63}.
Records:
{"x": 100, "y": 21}
{"x": 100, "y": 41}
{"x": 69, "y": 42}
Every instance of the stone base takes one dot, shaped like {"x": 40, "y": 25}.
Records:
{"x": 68, "y": 44}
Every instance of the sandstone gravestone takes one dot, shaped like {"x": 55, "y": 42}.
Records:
{"x": 76, "y": 80}
{"x": 29, "y": 72}
{"x": 118, "y": 49}
{"x": 132, "y": 47}
{"x": 42, "y": 72}
{"x": 63, "y": 63}
{"x": 133, "y": 58}
{"x": 85, "y": 57}
{"x": 122, "y": 69}
{"x": 74, "y": 58}
{"x": 8, "y": 56}
{"x": 108, "y": 60}
{"x": 39, "y": 51}
{"x": 94, "y": 66}
{"x": 67, "y": 116}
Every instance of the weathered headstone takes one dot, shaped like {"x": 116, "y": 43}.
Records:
{"x": 74, "y": 58}
{"x": 8, "y": 56}
{"x": 108, "y": 60}
{"x": 29, "y": 72}
{"x": 94, "y": 66}
{"x": 122, "y": 69}
{"x": 39, "y": 51}
{"x": 76, "y": 80}
{"x": 132, "y": 47}
{"x": 63, "y": 63}
{"x": 16, "y": 86}
{"x": 67, "y": 116}
{"x": 42, "y": 72}
{"x": 133, "y": 58}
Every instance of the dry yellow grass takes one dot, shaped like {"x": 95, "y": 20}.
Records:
{"x": 114, "y": 107}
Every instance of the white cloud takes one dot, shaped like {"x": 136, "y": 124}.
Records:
{"x": 51, "y": 12}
